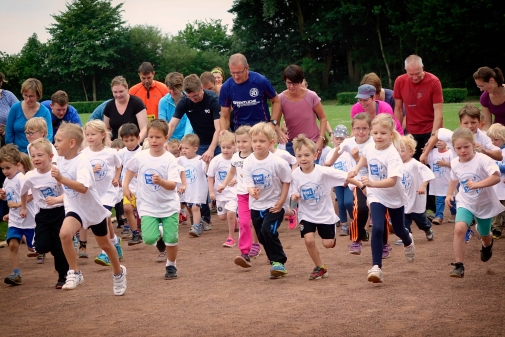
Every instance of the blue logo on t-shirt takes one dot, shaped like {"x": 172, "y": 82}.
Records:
{"x": 262, "y": 179}
{"x": 191, "y": 176}
{"x": 10, "y": 194}
{"x": 406, "y": 180}
{"x": 222, "y": 175}
{"x": 469, "y": 192}
{"x": 311, "y": 194}
{"x": 100, "y": 174}
{"x": 341, "y": 165}
{"x": 377, "y": 169}
{"x": 68, "y": 191}
{"x": 148, "y": 180}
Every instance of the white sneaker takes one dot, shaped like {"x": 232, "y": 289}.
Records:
{"x": 73, "y": 280}
{"x": 120, "y": 282}
{"x": 410, "y": 251}
{"x": 375, "y": 275}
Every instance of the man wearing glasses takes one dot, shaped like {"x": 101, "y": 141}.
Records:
{"x": 247, "y": 93}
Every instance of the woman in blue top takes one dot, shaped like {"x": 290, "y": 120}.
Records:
{"x": 167, "y": 104}
{"x": 23, "y": 111}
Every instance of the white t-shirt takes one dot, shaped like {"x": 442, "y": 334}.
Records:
{"x": 267, "y": 175}
{"x": 197, "y": 187}
{"x": 12, "y": 188}
{"x": 55, "y": 153}
{"x": 108, "y": 159}
{"x": 347, "y": 146}
{"x": 285, "y": 155}
{"x": 343, "y": 163}
{"x": 124, "y": 156}
{"x": 414, "y": 174}
{"x": 500, "y": 187}
{"x": 324, "y": 154}
{"x": 315, "y": 204}
{"x": 384, "y": 164}
{"x": 42, "y": 185}
{"x": 218, "y": 169}
{"x": 237, "y": 161}
{"x": 440, "y": 184}
{"x": 281, "y": 146}
{"x": 87, "y": 205}
{"x": 479, "y": 137}
{"x": 482, "y": 202}
{"x": 153, "y": 200}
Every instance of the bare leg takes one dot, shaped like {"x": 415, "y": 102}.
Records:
{"x": 310, "y": 243}
{"x": 172, "y": 253}
{"x": 13, "y": 252}
{"x": 231, "y": 217}
{"x": 68, "y": 229}
{"x": 197, "y": 216}
{"x": 83, "y": 234}
{"x": 459, "y": 245}
{"x": 255, "y": 237}
{"x": 130, "y": 216}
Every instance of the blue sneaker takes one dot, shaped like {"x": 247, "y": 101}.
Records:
{"x": 119, "y": 249}
{"x": 468, "y": 235}
{"x": 103, "y": 260}
{"x": 277, "y": 270}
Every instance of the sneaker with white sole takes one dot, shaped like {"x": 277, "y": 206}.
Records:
{"x": 344, "y": 231}
{"x": 229, "y": 243}
{"x": 355, "y": 248}
{"x": 119, "y": 282}
{"x": 207, "y": 226}
{"x": 73, "y": 280}
{"x": 375, "y": 275}
{"x": 430, "y": 234}
{"x": 410, "y": 251}
{"x": 162, "y": 257}
{"x": 255, "y": 250}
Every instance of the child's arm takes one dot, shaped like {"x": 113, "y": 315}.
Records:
{"x": 166, "y": 184}
{"x": 254, "y": 192}
{"x": 115, "y": 181}
{"x": 333, "y": 158}
{"x": 493, "y": 154}
{"x": 427, "y": 148}
{"x": 448, "y": 163}
{"x": 362, "y": 162}
{"x": 24, "y": 201}
{"x": 129, "y": 175}
{"x": 450, "y": 193}
{"x": 489, "y": 181}
{"x": 210, "y": 182}
{"x": 385, "y": 183}
{"x": 231, "y": 174}
{"x": 54, "y": 200}
{"x": 182, "y": 188}
{"x": 284, "y": 193}
{"x": 3, "y": 196}
{"x": 422, "y": 188}
{"x": 72, "y": 184}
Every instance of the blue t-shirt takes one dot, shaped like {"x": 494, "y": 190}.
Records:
{"x": 166, "y": 110}
{"x": 71, "y": 116}
{"x": 248, "y": 99}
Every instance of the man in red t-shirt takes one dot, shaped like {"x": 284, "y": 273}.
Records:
{"x": 421, "y": 92}
{"x": 149, "y": 90}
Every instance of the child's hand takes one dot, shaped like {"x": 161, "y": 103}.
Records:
{"x": 115, "y": 182}
{"x": 424, "y": 158}
{"x": 448, "y": 201}
{"x": 478, "y": 148}
{"x": 443, "y": 163}
{"x": 96, "y": 168}
{"x": 254, "y": 192}
{"x": 181, "y": 189}
{"x": 127, "y": 193}
{"x": 157, "y": 179}
{"x": 471, "y": 184}
{"x": 232, "y": 182}
{"x": 421, "y": 190}
{"x": 22, "y": 212}
{"x": 355, "y": 154}
{"x": 295, "y": 197}
{"x": 5, "y": 218}
{"x": 2, "y": 194}
{"x": 326, "y": 163}
{"x": 212, "y": 196}
{"x": 13, "y": 204}
{"x": 51, "y": 201}
{"x": 220, "y": 188}
{"x": 277, "y": 207}
{"x": 56, "y": 174}
{"x": 352, "y": 174}
{"x": 367, "y": 182}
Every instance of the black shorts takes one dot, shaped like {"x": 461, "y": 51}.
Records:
{"x": 325, "y": 231}
{"x": 99, "y": 229}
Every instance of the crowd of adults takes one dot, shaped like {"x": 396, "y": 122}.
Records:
{"x": 209, "y": 103}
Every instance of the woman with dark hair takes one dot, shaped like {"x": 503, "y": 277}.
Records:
{"x": 300, "y": 108}
{"x": 7, "y": 100}
{"x": 490, "y": 82}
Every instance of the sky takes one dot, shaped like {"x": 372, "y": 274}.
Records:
{"x": 21, "y": 18}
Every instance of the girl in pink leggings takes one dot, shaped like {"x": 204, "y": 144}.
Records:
{"x": 247, "y": 240}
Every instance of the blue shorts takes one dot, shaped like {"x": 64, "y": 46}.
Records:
{"x": 17, "y": 233}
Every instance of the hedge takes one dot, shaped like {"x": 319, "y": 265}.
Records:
{"x": 451, "y": 95}
{"x": 85, "y": 107}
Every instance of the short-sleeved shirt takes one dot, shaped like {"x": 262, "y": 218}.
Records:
{"x": 151, "y": 97}
{"x": 300, "y": 116}
{"x": 218, "y": 169}
{"x": 248, "y": 99}
{"x": 497, "y": 110}
{"x": 482, "y": 202}
{"x": 414, "y": 174}
{"x": 381, "y": 107}
{"x": 42, "y": 185}
{"x": 500, "y": 187}
{"x": 124, "y": 156}
{"x": 201, "y": 115}
{"x": 418, "y": 99}
{"x": 237, "y": 161}
{"x": 291, "y": 160}
{"x": 135, "y": 105}
{"x": 440, "y": 185}
{"x": 12, "y": 188}
{"x": 347, "y": 146}
{"x": 108, "y": 160}
{"x": 480, "y": 137}
{"x": 197, "y": 186}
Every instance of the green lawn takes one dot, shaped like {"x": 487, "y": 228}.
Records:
{"x": 3, "y": 230}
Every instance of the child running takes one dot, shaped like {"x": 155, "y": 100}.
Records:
{"x": 267, "y": 178}
{"x": 18, "y": 225}
{"x": 158, "y": 201}
{"x": 416, "y": 177}
{"x": 497, "y": 134}
{"x": 107, "y": 169}
{"x": 475, "y": 173}
{"x": 83, "y": 207}
{"x": 247, "y": 243}
{"x": 173, "y": 147}
{"x": 48, "y": 198}
{"x": 384, "y": 190}
{"x": 226, "y": 201}
{"x": 117, "y": 144}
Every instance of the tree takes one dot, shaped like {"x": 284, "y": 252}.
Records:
{"x": 206, "y": 35}
{"x": 85, "y": 40}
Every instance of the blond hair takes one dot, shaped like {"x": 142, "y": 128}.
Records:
{"x": 363, "y": 116}
{"x": 42, "y": 143}
{"x": 462, "y": 133}
{"x": 119, "y": 80}
{"x": 244, "y": 129}
{"x": 174, "y": 143}
{"x": 409, "y": 142}
{"x": 37, "y": 124}
{"x": 26, "y": 161}
{"x": 302, "y": 140}
{"x": 263, "y": 128}
{"x": 385, "y": 120}
{"x": 191, "y": 139}
{"x": 496, "y": 130}
{"x": 99, "y": 126}
{"x": 117, "y": 144}
{"x": 228, "y": 137}
{"x": 72, "y": 131}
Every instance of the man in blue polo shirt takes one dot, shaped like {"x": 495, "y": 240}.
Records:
{"x": 247, "y": 93}
{"x": 61, "y": 111}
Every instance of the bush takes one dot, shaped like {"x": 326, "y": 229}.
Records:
{"x": 454, "y": 95}
{"x": 346, "y": 98}
{"x": 85, "y": 107}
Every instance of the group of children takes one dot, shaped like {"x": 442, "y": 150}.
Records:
{"x": 373, "y": 173}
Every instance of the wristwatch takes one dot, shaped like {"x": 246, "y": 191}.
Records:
{"x": 273, "y": 121}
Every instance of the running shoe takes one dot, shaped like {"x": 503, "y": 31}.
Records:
{"x": 14, "y": 279}
{"x": 255, "y": 250}
{"x": 375, "y": 275}
{"x": 496, "y": 234}
{"x": 458, "y": 271}
{"x": 486, "y": 252}
{"x": 136, "y": 239}
{"x": 410, "y": 251}
{"x": 162, "y": 257}
{"x": 60, "y": 283}
{"x": 119, "y": 249}
{"x": 171, "y": 273}
{"x": 82, "y": 253}
{"x": 469, "y": 234}
{"x": 183, "y": 219}
{"x": 318, "y": 272}
{"x": 385, "y": 250}
{"x": 243, "y": 260}
{"x": 126, "y": 233}
{"x": 344, "y": 231}
{"x": 277, "y": 270}
{"x": 355, "y": 248}
{"x": 120, "y": 282}
{"x": 41, "y": 258}
{"x": 207, "y": 226}
{"x": 73, "y": 280}
{"x": 429, "y": 234}
{"x": 230, "y": 243}
{"x": 437, "y": 221}
{"x": 292, "y": 220}
{"x": 430, "y": 214}
{"x": 102, "y": 260}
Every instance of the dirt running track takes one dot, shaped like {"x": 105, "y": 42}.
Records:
{"x": 214, "y": 297}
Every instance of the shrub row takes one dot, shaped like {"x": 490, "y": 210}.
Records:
{"x": 451, "y": 95}
{"x": 85, "y": 107}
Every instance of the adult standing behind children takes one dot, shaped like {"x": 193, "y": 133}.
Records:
{"x": 149, "y": 90}
{"x": 125, "y": 108}
{"x": 23, "y": 111}
{"x": 7, "y": 100}
{"x": 490, "y": 82}
{"x": 247, "y": 92}
{"x": 61, "y": 111}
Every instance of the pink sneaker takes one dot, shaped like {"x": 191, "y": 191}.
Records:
{"x": 292, "y": 221}
{"x": 255, "y": 250}
{"x": 229, "y": 243}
